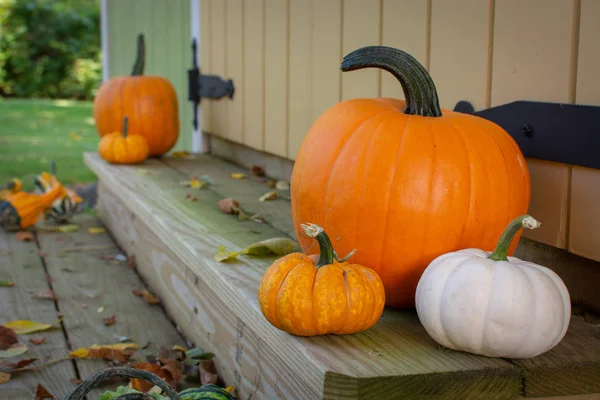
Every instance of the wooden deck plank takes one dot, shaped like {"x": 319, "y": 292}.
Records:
{"x": 572, "y": 367}
{"x": 395, "y": 355}
{"x": 21, "y": 263}
{"x": 83, "y": 283}
{"x": 277, "y": 212}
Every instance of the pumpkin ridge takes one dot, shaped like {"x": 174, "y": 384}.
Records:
{"x": 535, "y": 308}
{"x": 366, "y": 284}
{"x": 508, "y": 198}
{"x": 389, "y": 195}
{"x": 471, "y": 191}
{"x": 487, "y": 309}
{"x": 337, "y": 158}
{"x": 364, "y": 180}
{"x": 348, "y": 305}
{"x": 276, "y": 314}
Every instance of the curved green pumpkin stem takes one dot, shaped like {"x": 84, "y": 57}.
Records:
{"x": 327, "y": 254}
{"x": 125, "y": 125}
{"x": 138, "y": 67}
{"x": 524, "y": 221}
{"x": 419, "y": 90}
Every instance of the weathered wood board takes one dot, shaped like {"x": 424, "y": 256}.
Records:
{"x": 248, "y": 192}
{"x": 21, "y": 263}
{"x": 395, "y": 358}
{"x": 84, "y": 284}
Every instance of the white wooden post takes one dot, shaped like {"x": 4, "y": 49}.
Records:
{"x": 199, "y": 144}
{"x": 104, "y": 39}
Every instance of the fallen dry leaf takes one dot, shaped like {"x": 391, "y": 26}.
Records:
{"x": 194, "y": 183}
{"x": 42, "y": 393}
{"x": 190, "y": 197}
{"x": 228, "y": 205}
{"x": 282, "y": 185}
{"x": 257, "y": 218}
{"x": 223, "y": 254}
{"x": 140, "y": 384}
{"x": 4, "y": 377}
{"x": 238, "y": 175}
{"x": 13, "y": 351}
{"x": 147, "y": 296}
{"x": 173, "y": 370}
{"x": 268, "y": 196}
{"x": 10, "y": 366}
{"x": 47, "y": 294}
{"x": 8, "y": 337}
{"x": 7, "y": 284}
{"x": 100, "y": 309}
{"x": 120, "y": 352}
{"x": 24, "y": 236}
{"x": 42, "y": 253}
{"x": 75, "y": 381}
{"x": 207, "y": 372}
{"x": 180, "y": 154}
{"x": 38, "y": 340}
{"x": 277, "y": 246}
{"x": 131, "y": 262}
{"x": 96, "y": 230}
{"x": 110, "y": 320}
{"x": 271, "y": 183}
{"x": 257, "y": 171}
{"x": 67, "y": 228}
{"x": 23, "y": 326}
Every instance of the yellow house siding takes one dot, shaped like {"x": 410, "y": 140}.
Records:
{"x": 486, "y": 52}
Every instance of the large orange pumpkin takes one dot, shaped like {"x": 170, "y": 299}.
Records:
{"x": 405, "y": 181}
{"x": 150, "y": 102}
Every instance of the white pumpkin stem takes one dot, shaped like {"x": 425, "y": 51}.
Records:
{"x": 524, "y": 221}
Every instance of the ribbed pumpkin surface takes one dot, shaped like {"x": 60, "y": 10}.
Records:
{"x": 404, "y": 189}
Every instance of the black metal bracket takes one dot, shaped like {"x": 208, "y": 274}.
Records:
{"x": 205, "y": 86}
{"x": 564, "y": 133}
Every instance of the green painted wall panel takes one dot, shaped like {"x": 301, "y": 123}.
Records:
{"x": 166, "y": 27}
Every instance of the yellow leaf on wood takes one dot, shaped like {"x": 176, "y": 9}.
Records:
{"x": 223, "y": 254}
{"x": 23, "y": 326}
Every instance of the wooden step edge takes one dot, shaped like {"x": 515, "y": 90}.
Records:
{"x": 143, "y": 212}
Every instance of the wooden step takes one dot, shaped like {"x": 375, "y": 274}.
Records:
{"x": 215, "y": 304}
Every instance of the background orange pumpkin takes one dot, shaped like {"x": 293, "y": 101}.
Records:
{"x": 150, "y": 102}
{"x": 405, "y": 181}
{"x": 122, "y": 147}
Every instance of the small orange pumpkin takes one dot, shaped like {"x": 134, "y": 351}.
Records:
{"x": 149, "y": 101}
{"x": 310, "y": 295}
{"x": 406, "y": 180}
{"x": 122, "y": 147}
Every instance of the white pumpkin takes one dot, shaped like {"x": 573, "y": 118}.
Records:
{"x": 493, "y": 305}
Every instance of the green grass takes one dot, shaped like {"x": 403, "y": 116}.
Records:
{"x": 33, "y": 132}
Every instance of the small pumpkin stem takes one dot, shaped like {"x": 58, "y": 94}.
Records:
{"x": 121, "y": 372}
{"x": 418, "y": 87}
{"x": 125, "y": 125}
{"x": 524, "y": 221}
{"x": 327, "y": 254}
{"x": 138, "y": 67}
